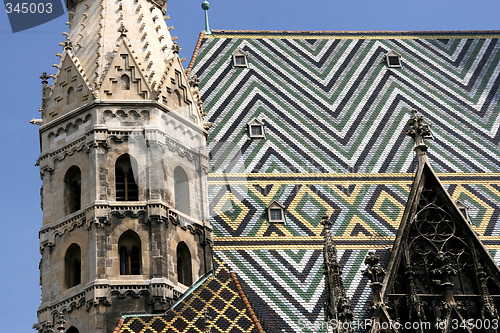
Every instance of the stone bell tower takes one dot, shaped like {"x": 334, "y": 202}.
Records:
{"x": 124, "y": 167}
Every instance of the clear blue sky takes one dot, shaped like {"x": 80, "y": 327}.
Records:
{"x": 27, "y": 54}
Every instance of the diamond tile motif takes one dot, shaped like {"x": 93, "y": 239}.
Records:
{"x": 335, "y": 120}
{"x": 218, "y": 295}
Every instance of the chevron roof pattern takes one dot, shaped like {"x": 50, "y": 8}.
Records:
{"x": 335, "y": 121}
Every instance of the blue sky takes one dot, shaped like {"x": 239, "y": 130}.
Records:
{"x": 25, "y": 55}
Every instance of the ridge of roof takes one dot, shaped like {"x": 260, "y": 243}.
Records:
{"x": 333, "y": 33}
{"x": 195, "y": 53}
{"x": 350, "y": 32}
{"x": 248, "y": 306}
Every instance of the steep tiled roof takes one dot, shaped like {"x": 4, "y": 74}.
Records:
{"x": 218, "y": 303}
{"x": 335, "y": 121}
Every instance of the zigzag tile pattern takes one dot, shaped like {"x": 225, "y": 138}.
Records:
{"x": 293, "y": 299}
{"x": 330, "y": 104}
{"x": 335, "y": 143}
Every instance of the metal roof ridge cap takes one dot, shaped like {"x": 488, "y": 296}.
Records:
{"x": 190, "y": 290}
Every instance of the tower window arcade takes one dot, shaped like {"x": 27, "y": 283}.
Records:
{"x": 129, "y": 246}
{"x": 126, "y": 185}
{"x": 72, "y": 189}
{"x": 184, "y": 268}
{"x": 181, "y": 180}
{"x": 73, "y": 266}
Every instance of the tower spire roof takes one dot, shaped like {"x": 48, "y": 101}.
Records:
{"x": 97, "y": 26}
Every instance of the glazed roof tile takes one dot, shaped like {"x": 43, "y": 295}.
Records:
{"x": 220, "y": 296}
{"x": 335, "y": 121}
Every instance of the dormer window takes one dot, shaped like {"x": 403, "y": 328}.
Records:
{"x": 393, "y": 59}
{"x": 240, "y": 59}
{"x": 464, "y": 209}
{"x": 276, "y": 212}
{"x": 256, "y": 129}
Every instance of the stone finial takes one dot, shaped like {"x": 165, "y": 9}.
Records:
{"x": 60, "y": 323}
{"x": 325, "y": 221}
{"x": 122, "y": 30}
{"x": 44, "y": 327}
{"x": 418, "y": 128}
{"x": 176, "y": 48}
{"x": 45, "y": 78}
{"x": 68, "y": 45}
{"x": 374, "y": 272}
{"x": 194, "y": 81}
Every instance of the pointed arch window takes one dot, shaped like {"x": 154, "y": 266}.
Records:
{"x": 70, "y": 98}
{"x": 181, "y": 180}
{"x": 72, "y": 265}
{"x": 129, "y": 246}
{"x": 72, "y": 189}
{"x": 184, "y": 266}
{"x": 276, "y": 212}
{"x": 125, "y": 82}
{"x": 177, "y": 98}
{"x": 240, "y": 59}
{"x": 126, "y": 176}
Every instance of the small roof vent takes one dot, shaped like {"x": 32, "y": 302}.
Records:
{"x": 240, "y": 59}
{"x": 276, "y": 212}
{"x": 393, "y": 59}
{"x": 256, "y": 128}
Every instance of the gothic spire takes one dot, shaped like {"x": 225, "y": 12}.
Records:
{"x": 337, "y": 305}
{"x": 96, "y": 27}
{"x": 438, "y": 267}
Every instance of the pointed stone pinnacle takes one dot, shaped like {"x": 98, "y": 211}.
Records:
{"x": 68, "y": 45}
{"x": 44, "y": 78}
{"x": 122, "y": 30}
{"x": 176, "y": 48}
{"x": 194, "y": 81}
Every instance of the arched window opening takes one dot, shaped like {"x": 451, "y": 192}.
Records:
{"x": 72, "y": 329}
{"x": 72, "y": 189}
{"x": 125, "y": 82}
{"x": 184, "y": 269}
{"x": 177, "y": 98}
{"x": 129, "y": 246}
{"x": 73, "y": 265}
{"x": 181, "y": 189}
{"x": 126, "y": 185}
{"x": 70, "y": 95}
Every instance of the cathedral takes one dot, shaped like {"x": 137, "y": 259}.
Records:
{"x": 282, "y": 182}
